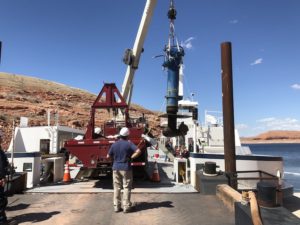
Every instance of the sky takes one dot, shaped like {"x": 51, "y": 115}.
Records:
{"x": 81, "y": 44}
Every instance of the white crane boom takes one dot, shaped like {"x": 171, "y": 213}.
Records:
{"x": 132, "y": 57}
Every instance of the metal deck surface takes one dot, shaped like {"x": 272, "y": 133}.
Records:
{"x": 166, "y": 184}
{"x": 90, "y": 202}
{"x": 95, "y": 209}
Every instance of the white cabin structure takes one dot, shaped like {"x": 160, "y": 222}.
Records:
{"x": 43, "y": 139}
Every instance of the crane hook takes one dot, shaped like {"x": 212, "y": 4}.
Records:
{"x": 172, "y": 11}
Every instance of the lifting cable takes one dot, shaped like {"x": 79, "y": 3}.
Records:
{"x": 172, "y": 16}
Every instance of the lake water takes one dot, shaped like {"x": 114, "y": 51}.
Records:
{"x": 291, "y": 159}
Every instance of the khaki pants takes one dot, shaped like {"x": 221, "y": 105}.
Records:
{"x": 122, "y": 179}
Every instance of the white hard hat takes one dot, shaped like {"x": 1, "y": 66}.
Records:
{"x": 124, "y": 132}
{"x": 97, "y": 130}
{"x": 79, "y": 137}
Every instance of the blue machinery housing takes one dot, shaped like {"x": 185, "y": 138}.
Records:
{"x": 173, "y": 60}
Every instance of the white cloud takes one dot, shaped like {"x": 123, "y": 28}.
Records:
{"x": 259, "y": 128}
{"x": 233, "y": 21}
{"x": 257, "y": 61}
{"x": 241, "y": 126}
{"x": 296, "y": 86}
{"x": 273, "y": 123}
{"x": 188, "y": 43}
{"x": 266, "y": 120}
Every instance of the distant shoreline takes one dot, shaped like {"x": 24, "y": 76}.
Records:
{"x": 275, "y": 141}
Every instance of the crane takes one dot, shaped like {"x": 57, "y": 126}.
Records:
{"x": 173, "y": 62}
{"x": 92, "y": 149}
{"x": 132, "y": 56}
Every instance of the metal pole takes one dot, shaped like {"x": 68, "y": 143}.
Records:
{"x": 195, "y": 137}
{"x": 13, "y": 143}
{"x": 228, "y": 113}
{"x": 48, "y": 117}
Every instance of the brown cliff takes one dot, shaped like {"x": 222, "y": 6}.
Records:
{"x": 23, "y": 96}
{"x": 32, "y": 97}
{"x": 276, "y": 136}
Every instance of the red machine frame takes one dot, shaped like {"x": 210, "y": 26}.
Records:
{"x": 93, "y": 148}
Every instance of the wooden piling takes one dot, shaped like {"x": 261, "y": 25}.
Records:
{"x": 228, "y": 113}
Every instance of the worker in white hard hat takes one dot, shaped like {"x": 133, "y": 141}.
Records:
{"x": 121, "y": 152}
{"x": 3, "y": 172}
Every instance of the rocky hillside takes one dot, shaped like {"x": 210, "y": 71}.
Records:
{"x": 277, "y": 136}
{"x": 23, "y": 96}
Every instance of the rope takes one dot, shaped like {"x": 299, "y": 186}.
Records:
{"x": 256, "y": 219}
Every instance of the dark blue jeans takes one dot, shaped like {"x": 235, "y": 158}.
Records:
{"x": 3, "y": 204}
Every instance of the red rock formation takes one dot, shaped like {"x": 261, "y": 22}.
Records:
{"x": 22, "y": 96}
{"x": 276, "y": 136}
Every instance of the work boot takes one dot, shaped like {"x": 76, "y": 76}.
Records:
{"x": 129, "y": 208}
{"x": 117, "y": 209}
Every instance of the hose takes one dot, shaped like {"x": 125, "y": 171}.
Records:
{"x": 255, "y": 215}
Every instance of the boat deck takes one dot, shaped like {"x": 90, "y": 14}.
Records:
{"x": 166, "y": 184}
{"x": 96, "y": 208}
{"x": 90, "y": 202}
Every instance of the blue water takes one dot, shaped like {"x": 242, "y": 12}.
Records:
{"x": 291, "y": 159}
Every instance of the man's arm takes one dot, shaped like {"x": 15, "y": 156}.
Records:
{"x": 136, "y": 153}
{"x": 110, "y": 153}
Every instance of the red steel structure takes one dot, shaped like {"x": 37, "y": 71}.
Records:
{"x": 93, "y": 148}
